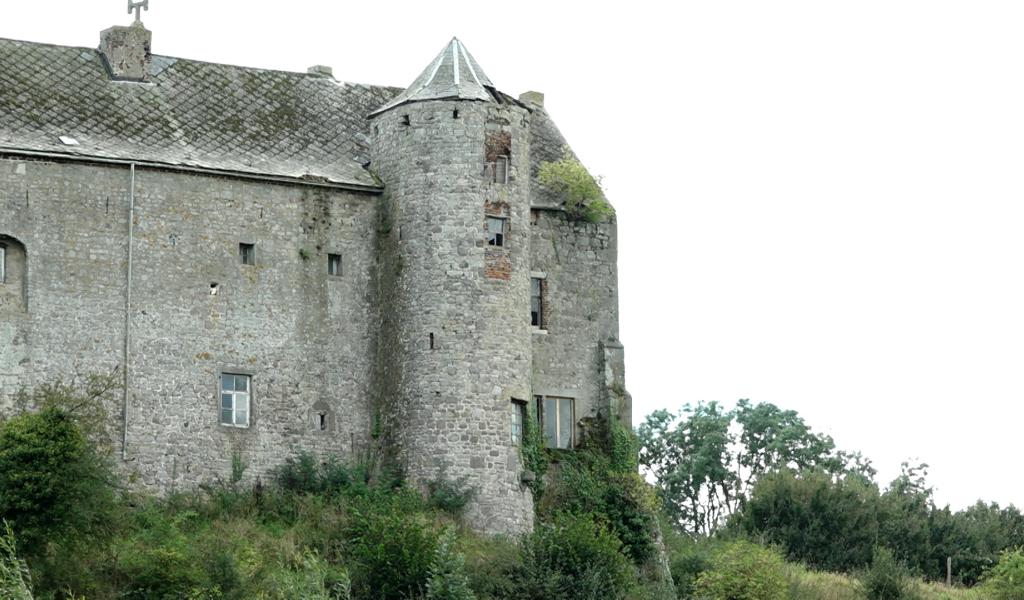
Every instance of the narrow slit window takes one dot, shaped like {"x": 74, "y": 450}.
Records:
{"x": 334, "y": 265}
{"x": 495, "y": 231}
{"x": 247, "y": 253}
{"x": 3, "y": 264}
{"x": 234, "y": 400}
{"x": 323, "y": 421}
{"x": 537, "y": 302}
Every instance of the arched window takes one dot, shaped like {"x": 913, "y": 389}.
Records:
{"x": 13, "y": 275}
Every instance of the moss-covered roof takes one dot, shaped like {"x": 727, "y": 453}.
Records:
{"x": 189, "y": 114}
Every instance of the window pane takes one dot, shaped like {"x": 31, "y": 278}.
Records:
{"x": 227, "y": 383}
{"x": 242, "y": 383}
{"x": 564, "y": 423}
{"x": 225, "y": 416}
{"x": 535, "y": 287}
{"x": 241, "y": 417}
{"x": 225, "y": 401}
{"x": 241, "y": 401}
{"x": 550, "y": 423}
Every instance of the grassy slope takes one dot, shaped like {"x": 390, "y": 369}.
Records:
{"x": 812, "y": 585}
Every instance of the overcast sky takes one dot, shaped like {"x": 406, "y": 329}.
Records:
{"x": 819, "y": 202}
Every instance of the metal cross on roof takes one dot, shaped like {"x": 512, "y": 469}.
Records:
{"x": 138, "y": 7}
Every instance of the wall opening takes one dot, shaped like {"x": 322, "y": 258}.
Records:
{"x": 13, "y": 275}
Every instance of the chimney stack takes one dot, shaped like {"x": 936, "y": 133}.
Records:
{"x": 126, "y": 51}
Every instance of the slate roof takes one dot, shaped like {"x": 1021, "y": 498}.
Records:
{"x": 191, "y": 114}
{"x": 454, "y": 73}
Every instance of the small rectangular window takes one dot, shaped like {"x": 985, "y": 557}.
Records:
{"x": 495, "y": 231}
{"x": 247, "y": 253}
{"x": 557, "y": 421}
{"x": 3, "y": 264}
{"x": 234, "y": 399}
{"x": 501, "y": 169}
{"x": 334, "y": 265}
{"x": 537, "y": 302}
{"x": 518, "y": 421}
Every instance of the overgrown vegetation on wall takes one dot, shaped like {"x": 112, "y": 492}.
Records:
{"x": 584, "y": 198}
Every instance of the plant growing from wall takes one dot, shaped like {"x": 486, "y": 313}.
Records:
{"x": 534, "y": 456}
{"x": 584, "y": 198}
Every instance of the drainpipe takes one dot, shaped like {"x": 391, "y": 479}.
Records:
{"x": 128, "y": 311}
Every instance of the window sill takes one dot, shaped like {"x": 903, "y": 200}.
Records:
{"x": 539, "y": 331}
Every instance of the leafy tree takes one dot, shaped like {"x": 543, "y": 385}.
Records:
{"x": 827, "y": 523}
{"x": 1005, "y": 581}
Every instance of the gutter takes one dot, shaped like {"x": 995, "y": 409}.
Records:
{"x": 352, "y": 187}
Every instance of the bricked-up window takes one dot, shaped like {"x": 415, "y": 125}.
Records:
{"x": 334, "y": 265}
{"x": 518, "y": 420}
{"x": 495, "y": 231}
{"x": 234, "y": 399}
{"x": 537, "y": 302}
{"x": 557, "y": 420}
{"x": 247, "y": 253}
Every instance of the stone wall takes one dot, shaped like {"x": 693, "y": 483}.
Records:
{"x": 577, "y": 354}
{"x": 306, "y": 338}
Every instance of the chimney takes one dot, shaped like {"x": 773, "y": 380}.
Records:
{"x": 126, "y": 51}
{"x": 323, "y": 70}
{"x": 534, "y": 98}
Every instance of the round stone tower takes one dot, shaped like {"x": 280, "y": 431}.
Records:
{"x": 453, "y": 154}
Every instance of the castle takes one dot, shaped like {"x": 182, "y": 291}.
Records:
{"x": 278, "y": 262}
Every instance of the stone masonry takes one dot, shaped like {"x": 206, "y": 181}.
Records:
{"x": 362, "y": 256}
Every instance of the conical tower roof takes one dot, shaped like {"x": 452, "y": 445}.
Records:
{"x": 453, "y": 74}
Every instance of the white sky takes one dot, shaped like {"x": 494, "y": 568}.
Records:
{"x": 819, "y": 201}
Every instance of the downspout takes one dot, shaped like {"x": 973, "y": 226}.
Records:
{"x": 128, "y": 311}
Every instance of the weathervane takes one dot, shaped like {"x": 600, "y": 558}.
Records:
{"x": 138, "y": 7}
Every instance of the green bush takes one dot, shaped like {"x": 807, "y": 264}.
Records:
{"x": 311, "y": 579}
{"x": 448, "y": 579}
{"x": 15, "y": 581}
{"x": 450, "y": 495}
{"x": 584, "y": 199}
{"x": 1005, "y": 581}
{"x": 743, "y": 571}
{"x": 573, "y": 558}
{"x": 52, "y": 481}
{"x": 391, "y": 544}
{"x": 887, "y": 578}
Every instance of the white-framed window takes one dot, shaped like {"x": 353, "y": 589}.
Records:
{"x": 247, "y": 253}
{"x": 495, "y": 231}
{"x": 334, "y": 265}
{"x": 537, "y": 302}
{"x": 235, "y": 393}
{"x": 557, "y": 417}
{"x": 3, "y": 263}
{"x": 518, "y": 421}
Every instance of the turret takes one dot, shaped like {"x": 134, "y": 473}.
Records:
{"x": 453, "y": 153}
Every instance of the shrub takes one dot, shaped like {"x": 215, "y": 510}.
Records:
{"x": 584, "y": 199}
{"x": 450, "y": 495}
{"x": 391, "y": 544}
{"x": 743, "y": 571}
{"x": 1005, "y": 581}
{"x": 52, "y": 482}
{"x": 887, "y": 578}
{"x": 448, "y": 580}
{"x": 15, "y": 581}
{"x": 311, "y": 579}
{"x": 573, "y": 558}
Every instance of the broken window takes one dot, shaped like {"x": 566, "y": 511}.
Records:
{"x": 247, "y": 253}
{"x": 497, "y": 150}
{"x": 495, "y": 231}
{"x": 537, "y": 302}
{"x": 557, "y": 420}
{"x": 518, "y": 420}
{"x": 234, "y": 399}
{"x": 334, "y": 265}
